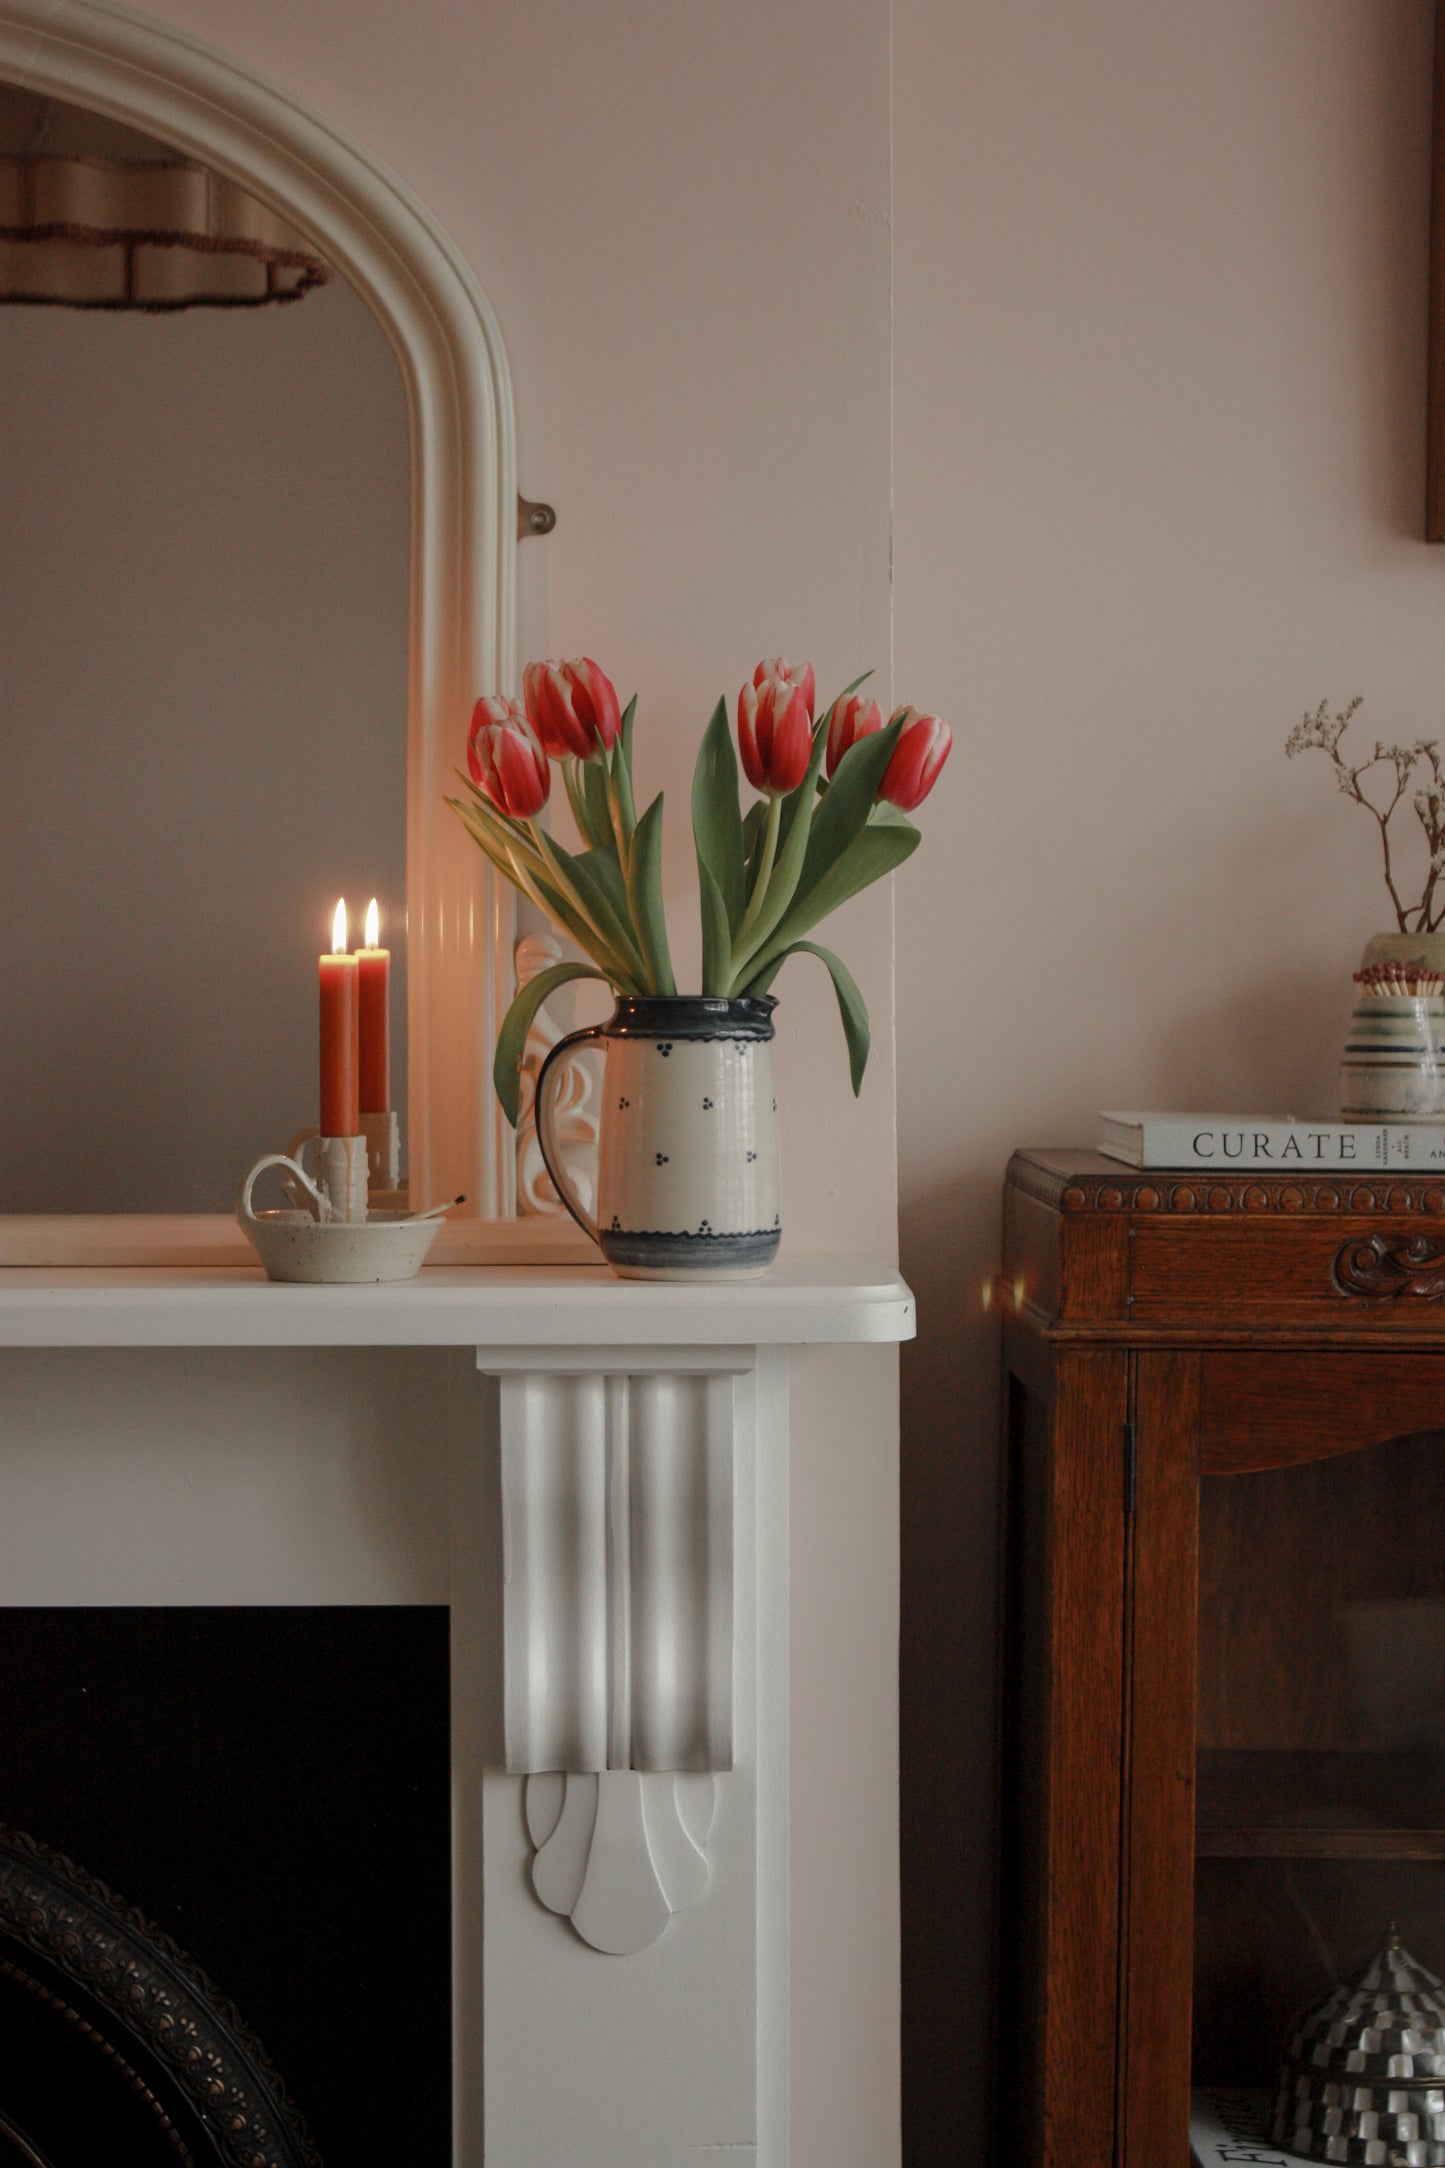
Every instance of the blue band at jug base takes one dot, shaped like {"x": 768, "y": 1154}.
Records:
{"x": 707, "y": 1252}
{"x": 691, "y": 1016}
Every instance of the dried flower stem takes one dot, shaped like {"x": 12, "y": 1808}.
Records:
{"x": 1324, "y": 731}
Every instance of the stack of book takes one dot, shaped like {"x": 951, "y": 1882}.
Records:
{"x": 1268, "y": 1143}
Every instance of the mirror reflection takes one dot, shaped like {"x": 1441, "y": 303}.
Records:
{"x": 203, "y": 625}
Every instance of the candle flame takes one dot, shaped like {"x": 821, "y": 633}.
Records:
{"x": 373, "y": 925}
{"x": 338, "y": 930}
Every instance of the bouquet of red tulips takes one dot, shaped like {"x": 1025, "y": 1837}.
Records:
{"x": 831, "y": 818}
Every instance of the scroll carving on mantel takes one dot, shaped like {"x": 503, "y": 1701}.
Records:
{"x": 575, "y": 1109}
{"x": 618, "y": 1530}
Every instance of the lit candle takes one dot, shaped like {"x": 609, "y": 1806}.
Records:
{"x": 340, "y": 1036}
{"x": 374, "y": 967}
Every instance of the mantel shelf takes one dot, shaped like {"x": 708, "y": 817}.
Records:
{"x": 807, "y": 1301}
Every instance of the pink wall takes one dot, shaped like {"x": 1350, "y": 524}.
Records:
{"x": 1160, "y": 306}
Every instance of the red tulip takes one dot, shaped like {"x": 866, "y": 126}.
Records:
{"x": 923, "y": 746}
{"x": 789, "y": 673}
{"x": 775, "y": 733}
{"x": 854, "y": 718}
{"x": 572, "y": 706}
{"x": 506, "y": 761}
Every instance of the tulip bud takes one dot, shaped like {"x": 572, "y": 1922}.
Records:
{"x": 507, "y": 763}
{"x": 572, "y": 706}
{"x": 923, "y": 746}
{"x": 775, "y": 733}
{"x": 789, "y": 673}
{"x": 854, "y": 718}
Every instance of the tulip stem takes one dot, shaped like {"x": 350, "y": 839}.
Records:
{"x": 616, "y": 771}
{"x": 622, "y": 971}
{"x": 764, "y": 874}
{"x": 578, "y": 803}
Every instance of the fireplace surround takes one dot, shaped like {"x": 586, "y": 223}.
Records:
{"x": 593, "y": 1477}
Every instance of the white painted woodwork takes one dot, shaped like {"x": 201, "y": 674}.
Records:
{"x": 619, "y": 1851}
{"x": 620, "y": 1930}
{"x": 617, "y": 1505}
{"x": 571, "y": 1312}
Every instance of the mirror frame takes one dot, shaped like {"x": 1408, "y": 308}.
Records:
{"x": 462, "y": 602}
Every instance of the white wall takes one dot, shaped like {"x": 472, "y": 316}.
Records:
{"x": 203, "y": 597}
{"x": 1160, "y": 312}
{"x": 680, "y": 215}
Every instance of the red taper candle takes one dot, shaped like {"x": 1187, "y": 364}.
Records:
{"x": 340, "y": 1036}
{"x": 374, "y": 972}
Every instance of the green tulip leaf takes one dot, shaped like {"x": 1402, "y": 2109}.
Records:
{"x": 644, "y": 894}
{"x": 586, "y": 887}
{"x": 876, "y": 852}
{"x": 717, "y": 948}
{"x": 851, "y": 1006}
{"x": 483, "y": 836}
{"x": 594, "y": 797}
{"x": 717, "y": 825}
{"x": 755, "y": 822}
{"x": 629, "y": 716}
{"x": 517, "y": 1023}
{"x": 514, "y": 854}
{"x": 619, "y": 787}
{"x": 851, "y": 796}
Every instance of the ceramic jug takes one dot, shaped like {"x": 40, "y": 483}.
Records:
{"x": 687, "y": 1179}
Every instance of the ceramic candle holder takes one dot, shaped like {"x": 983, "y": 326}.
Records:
{"x": 342, "y": 1174}
{"x": 383, "y": 1150}
{"x": 309, "y": 1246}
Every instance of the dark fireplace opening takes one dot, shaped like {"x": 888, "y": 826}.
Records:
{"x": 270, "y": 1788}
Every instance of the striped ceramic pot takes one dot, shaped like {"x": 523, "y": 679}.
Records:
{"x": 1394, "y": 1060}
{"x": 687, "y": 1180}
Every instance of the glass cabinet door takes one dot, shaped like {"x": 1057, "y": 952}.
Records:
{"x": 1320, "y": 1797}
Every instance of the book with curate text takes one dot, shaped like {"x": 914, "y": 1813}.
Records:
{"x": 1268, "y": 1143}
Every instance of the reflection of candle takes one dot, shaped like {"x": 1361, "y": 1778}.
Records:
{"x": 340, "y": 1050}
{"x": 374, "y": 967}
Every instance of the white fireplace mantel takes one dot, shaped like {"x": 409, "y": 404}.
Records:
{"x": 618, "y": 1523}
{"x": 812, "y": 1301}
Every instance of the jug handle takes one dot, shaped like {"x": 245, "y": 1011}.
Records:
{"x": 542, "y": 1114}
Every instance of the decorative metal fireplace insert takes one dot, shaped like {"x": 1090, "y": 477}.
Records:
{"x": 110, "y": 2036}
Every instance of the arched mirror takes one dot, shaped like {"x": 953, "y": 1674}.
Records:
{"x": 258, "y": 559}
{"x": 203, "y": 618}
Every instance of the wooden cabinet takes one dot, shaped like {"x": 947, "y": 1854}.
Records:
{"x": 1224, "y": 1594}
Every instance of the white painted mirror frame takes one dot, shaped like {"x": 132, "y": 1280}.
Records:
{"x": 462, "y": 584}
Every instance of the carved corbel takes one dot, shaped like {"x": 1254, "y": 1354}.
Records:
{"x": 618, "y": 1534}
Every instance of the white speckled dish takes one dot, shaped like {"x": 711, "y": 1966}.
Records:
{"x": 292, "y": 1245}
